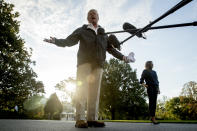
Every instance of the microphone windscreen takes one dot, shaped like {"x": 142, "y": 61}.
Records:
{"x": 112, "y": 40}
{"x": 127, "y": 26}
{"x": 100, "y": 31}
{"x": 132, "y": 28}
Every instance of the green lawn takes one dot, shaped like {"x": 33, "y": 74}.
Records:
{"x": 147, "y": 121}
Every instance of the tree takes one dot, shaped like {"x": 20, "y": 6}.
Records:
{"x": 53, "y": 106}
{"x": 34, "y": 107}
{"x": 182, "y": 107}
{"x": 17, "y": 78}
{"x": 63, "y": 86}
{"x": 122, "y": 97}
{"x": 161, "y": 111}
{"x": 68, "y": 94}
{"x": 190, "y": 90}
{"x": 173, "y": 107}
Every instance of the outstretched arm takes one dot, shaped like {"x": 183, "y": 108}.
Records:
{"x": 120, "y": 56}
{"x": 69, "y": 41}
{"x": 113, "y": 42}
{"x": 115, "y": 53}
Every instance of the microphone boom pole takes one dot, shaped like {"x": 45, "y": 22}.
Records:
{"x": 173, "y": 9}
{"x": 158, "y": 27}
{"x": 173, "y": 26}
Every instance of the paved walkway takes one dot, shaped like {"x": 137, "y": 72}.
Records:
{"x": 47, "y": 125}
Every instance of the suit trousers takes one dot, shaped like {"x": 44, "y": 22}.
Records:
{"x": 88, "y": 92}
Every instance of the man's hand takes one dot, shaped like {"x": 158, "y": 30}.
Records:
{"x": 129, "y": 58}
{"x": 125, "y": 59}
{"x": 51, "y": 40}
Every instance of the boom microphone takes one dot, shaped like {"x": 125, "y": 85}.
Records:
{"x": 132, "y": 29}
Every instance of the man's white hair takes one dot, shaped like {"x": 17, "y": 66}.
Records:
{"x": 92, "y": 10}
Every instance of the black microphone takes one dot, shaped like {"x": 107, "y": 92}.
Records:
{"x": 114, "y": 42}
{"x": 132, "y": 29}
{"x": 101, "y": 31}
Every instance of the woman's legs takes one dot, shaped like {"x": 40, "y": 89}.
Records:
{"x": 152, "y": 95}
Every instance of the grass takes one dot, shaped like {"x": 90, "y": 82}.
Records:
{"x": 147, "y": 121}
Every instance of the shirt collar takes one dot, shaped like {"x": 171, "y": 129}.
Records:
{"x": 90, "y": 26}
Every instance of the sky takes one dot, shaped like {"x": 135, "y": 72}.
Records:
{"x": 173, "y": 51}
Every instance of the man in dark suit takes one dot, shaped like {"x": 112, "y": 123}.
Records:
{"x": 90, "y": 59}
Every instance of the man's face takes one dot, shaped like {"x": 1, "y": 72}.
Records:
{"x": 93, "y": 17}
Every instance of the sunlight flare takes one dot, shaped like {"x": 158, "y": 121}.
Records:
{"x": 71, "y": 87}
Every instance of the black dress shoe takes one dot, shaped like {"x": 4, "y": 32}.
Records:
{"x": 155, "y": 122}
{"x": 95, "y": 124}
{"x": 81, "y": 124}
